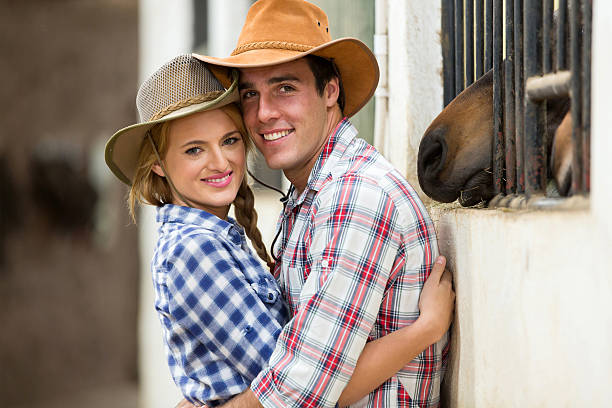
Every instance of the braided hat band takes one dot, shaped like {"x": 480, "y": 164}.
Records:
{"x": 181, "y": 87}
{"x": 279, "y": 45}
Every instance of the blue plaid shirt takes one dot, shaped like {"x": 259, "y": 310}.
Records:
{"x": 220, "y": 310}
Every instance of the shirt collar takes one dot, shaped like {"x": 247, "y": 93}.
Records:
{"x": 333, "y": 150}
{"x": 171, "y": 213}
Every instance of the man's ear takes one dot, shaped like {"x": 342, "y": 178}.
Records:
{"x": 157, "y": 169}
{"x": 332, "y": 92}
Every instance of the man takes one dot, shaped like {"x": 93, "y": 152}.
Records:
{"x": 356, "y": 243}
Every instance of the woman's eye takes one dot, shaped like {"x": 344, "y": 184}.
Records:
{"x": 193, "y": 151}
{"x": 230, "y": 140}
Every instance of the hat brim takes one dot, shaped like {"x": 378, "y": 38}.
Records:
{"x": 357, "y": 66}
{"x": 122, "y": 149}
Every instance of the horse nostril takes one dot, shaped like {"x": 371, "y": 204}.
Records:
{"x": 432, "y": 155}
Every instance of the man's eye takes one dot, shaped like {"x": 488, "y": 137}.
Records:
{"x": 286, "y": 88}
{"x": 248, "y": 94}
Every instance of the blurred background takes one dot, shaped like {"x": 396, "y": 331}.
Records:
{"x": 76, "y": 308}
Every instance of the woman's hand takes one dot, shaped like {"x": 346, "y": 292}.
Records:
{"x": 437, "y": 301}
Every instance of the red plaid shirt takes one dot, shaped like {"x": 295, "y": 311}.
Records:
{"x": 357, "y": 246}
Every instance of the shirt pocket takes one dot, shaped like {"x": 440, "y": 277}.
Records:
{"x": 294, "y": 284}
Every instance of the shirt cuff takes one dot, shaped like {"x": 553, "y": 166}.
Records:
{"x": 264, "y": 389}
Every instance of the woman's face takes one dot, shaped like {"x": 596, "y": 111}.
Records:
{"x": 205, "y": 160}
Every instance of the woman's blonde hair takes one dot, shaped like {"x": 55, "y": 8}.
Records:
{"x": 150, "y": 188}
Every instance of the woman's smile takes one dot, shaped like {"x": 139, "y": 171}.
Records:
{"x": 220, "y": 180}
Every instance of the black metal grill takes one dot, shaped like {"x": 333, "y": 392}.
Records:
{"x": 527, "y": 74}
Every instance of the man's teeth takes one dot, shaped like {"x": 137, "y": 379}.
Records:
{"x": 275, "y": 135}
{"x": 217, "y": 180}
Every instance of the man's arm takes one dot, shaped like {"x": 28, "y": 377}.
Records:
{"x": 246, "y": 399}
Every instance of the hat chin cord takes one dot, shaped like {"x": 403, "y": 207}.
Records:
{"x": 161, "y": 164}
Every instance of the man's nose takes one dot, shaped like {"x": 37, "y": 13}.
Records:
{"x": 267, "y": 108}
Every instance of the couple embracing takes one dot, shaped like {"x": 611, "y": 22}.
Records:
{"x": 354, "y": 303}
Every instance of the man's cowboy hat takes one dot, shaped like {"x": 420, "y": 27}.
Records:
{"x": 181, "y": 87}
{"x": 279, "y": 31}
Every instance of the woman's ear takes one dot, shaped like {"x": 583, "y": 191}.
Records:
{"x": 157, "y": 169}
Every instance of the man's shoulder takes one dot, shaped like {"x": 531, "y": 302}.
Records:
{"x": 362, "y": 160}
{"x": 368, "y": 176}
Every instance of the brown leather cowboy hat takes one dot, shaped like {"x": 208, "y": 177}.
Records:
{"x": 279, "y": 31}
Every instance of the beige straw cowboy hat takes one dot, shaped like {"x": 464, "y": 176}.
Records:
{"x": 279, "y": 31}
{"x": 181, "y": 87}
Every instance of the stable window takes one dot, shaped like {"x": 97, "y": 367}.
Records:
{"x": 540, "y": 52}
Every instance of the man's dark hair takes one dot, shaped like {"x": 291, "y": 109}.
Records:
{"x": 324, "y": 70}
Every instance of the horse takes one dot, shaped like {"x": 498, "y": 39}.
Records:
{"x": 455, "y": 155}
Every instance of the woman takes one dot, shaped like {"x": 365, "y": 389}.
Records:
{"x": 220, "y": 310}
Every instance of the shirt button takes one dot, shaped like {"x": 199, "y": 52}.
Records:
{"x": 247, "y": 328}
{"x": 270, "y": 296}
{"x": 325, "y": 263}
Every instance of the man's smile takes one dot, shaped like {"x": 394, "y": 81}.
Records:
{"x": 275, "y": 135}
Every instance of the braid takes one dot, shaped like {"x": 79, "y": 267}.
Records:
{"x": 245, "y": 213}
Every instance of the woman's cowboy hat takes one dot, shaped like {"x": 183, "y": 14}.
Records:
{"x": 181, "y": 87}
{"x": 279, "y": 31}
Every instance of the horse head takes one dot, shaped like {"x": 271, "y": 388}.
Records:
{"x": 455, "y": 155}
{"x": 454, "y": 159}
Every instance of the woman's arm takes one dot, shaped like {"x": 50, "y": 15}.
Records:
{"x": 383, "y": 357}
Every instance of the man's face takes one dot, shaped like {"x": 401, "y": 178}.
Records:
{"x": 286, "y": 117}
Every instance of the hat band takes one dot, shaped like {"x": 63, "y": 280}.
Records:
{"x": 280, "y": 45}
{"x": 209, "y": 96}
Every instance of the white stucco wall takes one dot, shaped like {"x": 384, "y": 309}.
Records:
{"x": 165, "y": 30}
{"x": 414, "y": 79}
{"x": 534, "y": 307}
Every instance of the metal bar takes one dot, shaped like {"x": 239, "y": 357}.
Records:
{"x": 498, "y": 97}
{"x": 459, "y": 81}
{"x": 587, "y": 14}
{"x": 448, "y": 50}
{"x": 519, "y": 96}
{"x": 535, "y": 149}
{"x": 509, "y": 101}
{"x": 561, "y": 43}
{"x": 576, "y": 93}
{"x": 548, "y": 86}
{"x": 479, "y": 18}
{"x": 469, "y": 42}
{"x": 548, "y": 7}
{"x": 488, "y": 55}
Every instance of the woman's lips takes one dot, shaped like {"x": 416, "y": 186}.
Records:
{"x": 220, "y": 180}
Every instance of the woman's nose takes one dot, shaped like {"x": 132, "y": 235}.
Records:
{"x": 217, "y": 160}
